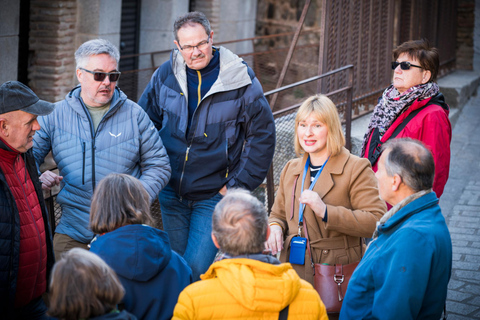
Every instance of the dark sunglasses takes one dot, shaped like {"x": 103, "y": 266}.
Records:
{"x": 405, "y": 65}
{"x": 100, "y": 76}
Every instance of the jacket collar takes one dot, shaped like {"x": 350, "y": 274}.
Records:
{"x": 418, "y": 205}
{"x": 233, "y": 72}
{"x": 73, "y": 99}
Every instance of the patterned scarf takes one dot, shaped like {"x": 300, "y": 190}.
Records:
{"x": 392, "y": 104}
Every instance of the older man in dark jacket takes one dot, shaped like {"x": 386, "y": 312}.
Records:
{"x": 26, "y": 253}
{"x": 218, "y": 130}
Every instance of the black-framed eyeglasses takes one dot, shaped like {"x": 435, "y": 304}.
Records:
{"x": 100, "y": 76}
{"x": 201, "y": 45}
{"x": 405, "y": 65}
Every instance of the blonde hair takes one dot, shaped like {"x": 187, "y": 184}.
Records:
{"x": 326, "y": 112}
{"x": 119, "y": 200}
{"x": 83, "y": 286}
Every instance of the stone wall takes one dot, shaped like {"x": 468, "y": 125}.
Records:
{"x": 465, "y": 29}
{"x": 9, "y": 29}
{"x": 52, "y": 47}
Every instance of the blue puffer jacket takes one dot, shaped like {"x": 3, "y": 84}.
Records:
{"x": 232, "y": 136}
{"x": 153, "y": 275}
{"x": 125, "y": 142}
{"x": 405, "y": 271}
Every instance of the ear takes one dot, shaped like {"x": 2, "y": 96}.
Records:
{"x": 268, "y": 232}
{"x": 396, "y": 182}
{"x": 215, "y": 242}
{"x": 3, "y": 127}
{"x": 79, "y": 75}
{"x": 427, "y": 74}
{"x": 178, "y": 46}
{"x": 211, "y": 36}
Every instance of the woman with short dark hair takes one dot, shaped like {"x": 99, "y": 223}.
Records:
{"x": 413, "y": 107}
{"x": 153, "y": 275}
{"x": 83, "y": 286}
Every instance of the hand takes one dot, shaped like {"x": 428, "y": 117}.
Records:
{"x": 275, "y": 240}
{"x": 313, "y": 200}
{"x": 223, "y": 191}
{"x": 50, "y": 179}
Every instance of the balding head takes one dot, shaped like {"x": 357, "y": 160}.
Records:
{"x": 240, "y": 223}
{"x": 412, "y": 161}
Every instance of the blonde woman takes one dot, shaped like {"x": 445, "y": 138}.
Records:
{"x": 329, "y": 191}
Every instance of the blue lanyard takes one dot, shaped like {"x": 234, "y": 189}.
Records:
{"x": 305, "y": 170}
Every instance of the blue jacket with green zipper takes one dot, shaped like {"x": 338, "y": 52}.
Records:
{"x": 231, "y": 139}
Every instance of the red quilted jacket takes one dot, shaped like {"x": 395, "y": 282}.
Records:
{"x": 32, "y": 270}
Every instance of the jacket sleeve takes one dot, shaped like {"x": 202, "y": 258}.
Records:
{"x": 435, "y": 132}
{"x": 41, "y": 140}
{"x": 184, "y": 309}
{"x": 279, "y": 213}
{"x": 365, "y": 200}
{"x": 259, "y": 143}
{"x": 401, "y": 277}
{"x": 148, "y": 101}
{"x": 154, "y": 161}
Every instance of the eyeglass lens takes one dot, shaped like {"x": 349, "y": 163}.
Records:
{"x": 100, "y": 76}
{"x": 405, "y": 65}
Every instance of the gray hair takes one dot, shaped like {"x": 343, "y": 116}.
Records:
{"x": 94, "y": 47}
{"x": 240, "y": 223}
{"x": 412, "y": 161}
{"x": 189, "y": 19}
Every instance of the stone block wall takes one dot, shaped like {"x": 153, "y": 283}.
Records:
{"x": 9, "y": 29}
{"x": 52, "y": 48}
{"x": 465, "y": 29}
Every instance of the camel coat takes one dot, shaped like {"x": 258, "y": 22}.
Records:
{"x": 348, "y": 187}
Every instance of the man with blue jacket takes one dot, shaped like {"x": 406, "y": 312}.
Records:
{"x": 218, "y": 130}
{"x": 406, "y": 268}
{"x": 95, "y": 131}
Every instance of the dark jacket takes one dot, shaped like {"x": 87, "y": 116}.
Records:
{"x": 232, "y": 135}
{"x": 405, "y": 271}
{"x": 10, "y": 236}
{"x": 153, "y": 275}
{"x": 123, "y": 315}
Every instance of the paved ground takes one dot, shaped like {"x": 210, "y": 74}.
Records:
{"x": 461, "y": 206}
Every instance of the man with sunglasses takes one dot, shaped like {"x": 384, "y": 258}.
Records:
{"x": 95, "y": 131}
{"x": 217, "y": 127}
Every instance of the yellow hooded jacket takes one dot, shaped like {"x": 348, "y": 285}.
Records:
{"x": 245, "y": 288}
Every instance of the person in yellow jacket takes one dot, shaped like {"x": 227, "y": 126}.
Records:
{"x": 245, "y": 283}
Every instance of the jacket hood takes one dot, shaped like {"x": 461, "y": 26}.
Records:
{"x": 253, "y": 283}
{"x": 135, "y": 252}
{"x": 120, "y": 315}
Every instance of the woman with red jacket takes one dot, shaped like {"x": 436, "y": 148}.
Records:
{"x": 412, "y": 106}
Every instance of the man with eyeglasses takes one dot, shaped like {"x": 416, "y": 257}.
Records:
{"x": 217, "y": 127}
{"x": 95, "y": 131}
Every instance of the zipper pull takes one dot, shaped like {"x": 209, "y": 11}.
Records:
{"x": 226, "y": 175}
{"x": 186, "y": 155}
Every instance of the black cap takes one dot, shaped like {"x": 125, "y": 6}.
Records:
{"x": 15, "y": 96}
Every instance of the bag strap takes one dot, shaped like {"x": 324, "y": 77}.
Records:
{"x": 375, "y": 153}
{"x": 283, "y": 315}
